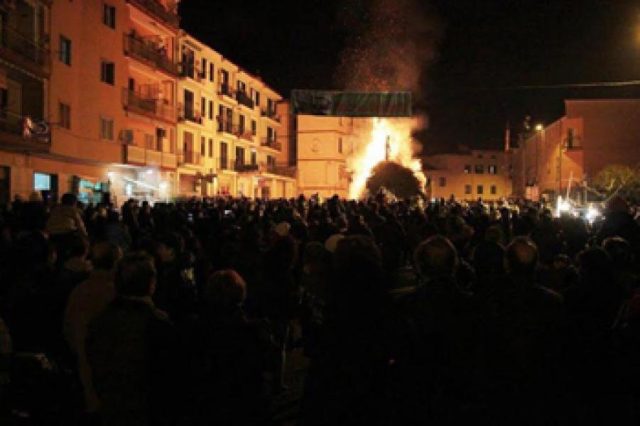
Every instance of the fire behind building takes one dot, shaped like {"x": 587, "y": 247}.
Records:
{"x": 336, "y": 138}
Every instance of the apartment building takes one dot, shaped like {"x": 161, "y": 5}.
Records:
{"x": 227, "y": 129}
{"x": 469, "y": 175}
{"x": 25, "y": 137}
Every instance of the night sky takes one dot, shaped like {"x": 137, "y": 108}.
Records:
{"x": 469, "y": 54}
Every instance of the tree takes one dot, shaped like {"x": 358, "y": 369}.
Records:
{"x": 619, "y": 179}
{"x": 397, "y": 179}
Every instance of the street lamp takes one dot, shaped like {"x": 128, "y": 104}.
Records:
{"x": 539, "y": 127}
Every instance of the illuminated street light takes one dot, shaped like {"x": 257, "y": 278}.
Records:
{"x": 539, "y": 127}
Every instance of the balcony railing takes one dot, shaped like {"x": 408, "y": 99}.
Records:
{"x": 246, "y": 168}
{"x": 226, "y": 126}
{"x": 24, "y": 50}
{"x": 281, "y": 170}
{"x": 270, "y": 113}
{"x": 146, "y": 51}
{"x": 244, "y": 99}
{"x": 148, "y": 157}
{"x": 23, "y": 133}
{"x": 190, "y": 158}
{"x": 225, "y": 90}
{"x": 156, "y": 108}
{"x": 155, "y": 8}
{"x": 271, "y": 143}
{"x": 246, "y": 135}
{"x": 190, "y": 114}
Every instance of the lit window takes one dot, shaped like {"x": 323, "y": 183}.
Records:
{"x": 467, "y": 168}
{"x": 108, "y": 72}
{"x": 492, "y": 169}
{"x": 479, "y": 169}
{"x": 41, "y": 182}
{"x": 106, "y": 128}
{"x": 109, "y": 16}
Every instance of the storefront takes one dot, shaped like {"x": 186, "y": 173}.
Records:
{"x": 46, "y": 184}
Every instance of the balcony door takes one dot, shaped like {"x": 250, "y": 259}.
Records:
{"x": 188, "y": 104}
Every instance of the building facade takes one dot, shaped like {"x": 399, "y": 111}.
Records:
{"x": 112, "y": 97}
{"x": 570, "y": 152}
{"x": 469, "y": 175}
{"x": 227, "y": 129}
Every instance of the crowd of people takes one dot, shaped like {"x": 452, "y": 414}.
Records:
{"x": 408, "y": 312}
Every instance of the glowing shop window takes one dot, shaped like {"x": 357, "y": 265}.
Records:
{"x": 41, "y": 182}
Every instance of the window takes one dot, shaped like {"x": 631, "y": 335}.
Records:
{"x": 210, "y": 110}
{"x": 257, "y": 98}
{"x": 242, "y": 88}
{"x": 188, "y": 62}
{"x": 203, "y": 107}
{"x": 210, "y": 148}
{"x": 480, "y": 190}
{"x": 41, "y": 181}
{"x": 467, "y": 189}
{"x": 203, "y": 146}
{"x": 212, "y": 70}
{"x": 239, "y": 156}
{"x": 442, "y": 181}
{"x": 254, "y": 127}
{"x": 254, "y": 158}
{"x": 160, "y": 135}
{"x": 241, "y": 124}
{"x": 492, "y": 169}
{"x": 188, "y": 104}
{"x": 271, "y": 160}
{"x": 106, "y": 128}
{"x": 64, "y": 50}
{"x": 149, "y": 141}
{"x": 467, "y": 168}
{"x": 479, "y": 169}
{"x": 224, "y": 155}
{"x": 64, "y": 115}
{"x": 203, "y": 68}
{"x": 340, "y": 145}
{"x": 494, "y": 190}
{"x": 108, "y": 72}
{"x": 109, "y": 16}
{"x": 271, "y": 134}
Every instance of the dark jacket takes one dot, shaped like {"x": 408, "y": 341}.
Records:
{"x": 133, "y": 353}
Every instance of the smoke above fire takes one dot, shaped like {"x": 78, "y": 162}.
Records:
{"x": 392, "y": 44}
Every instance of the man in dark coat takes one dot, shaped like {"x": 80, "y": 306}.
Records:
{"x": 132, "y": 350}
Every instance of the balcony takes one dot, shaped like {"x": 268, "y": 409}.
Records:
{"x": 271, "y": 143}
{"x": 191, "y": 70}
{"x": 189, "y": 114}
{"x": 244, "y": 99}
{"x": 24, "y": 52}
{"x": 157, "y": 10}
{"x": 19, "y": 133}
{"x": 147, "y": 52}
{"x": 190, "y": 158}
{"x": 270, "y": 114}
{"x": 225, "y": 90}
{"x": 246, "y": 135}
{"x": 148, "y": 106}
{"x": 226, "y": 126}
{"x": 246, "y": 168}
{"x": 148, "y": 157}
{"x": 281, "y": 170}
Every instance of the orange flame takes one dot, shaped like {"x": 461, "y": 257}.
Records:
{"x": 391, "y": 135}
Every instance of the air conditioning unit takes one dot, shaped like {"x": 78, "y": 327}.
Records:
{"x": 126, "y": 136}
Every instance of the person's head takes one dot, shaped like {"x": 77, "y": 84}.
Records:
{"x": 169, "y": 246}
{"x": 77, "y": 246}
{"x": 595, "y": 263}
{"x": 135, "y": 275}
{"x": 69, "y": 199}
{"x": 488, "y": 258}
{"x": 522, "y": 256}
{"x": 619, "y": 250}
{"x": 315, "y": 257}
{"x": 436, "y": 257}
{"x": 105, "y": 255}
{"x": 225, "y": 290}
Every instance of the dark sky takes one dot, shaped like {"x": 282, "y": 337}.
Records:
{"x": 482, "y": 45}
